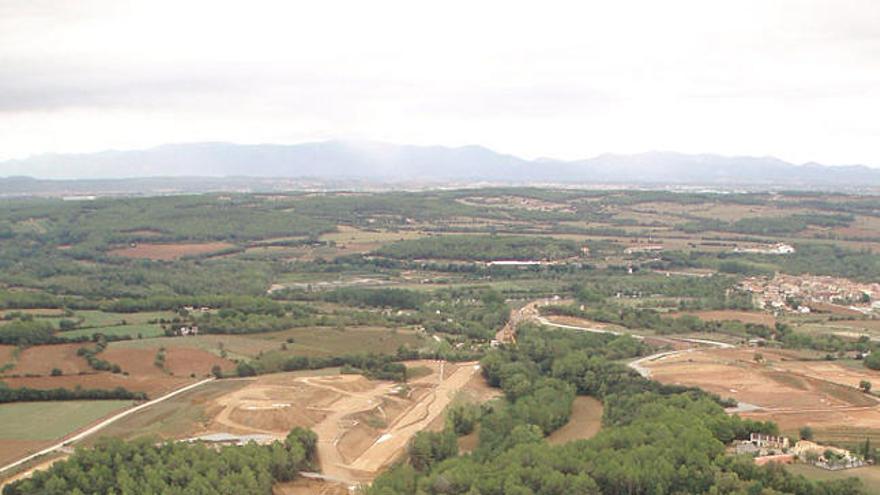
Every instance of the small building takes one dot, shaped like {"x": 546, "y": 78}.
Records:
{"x": 230, "y": 439}
{"x": 769, "y": 441}
{"x": 187, "y": 330}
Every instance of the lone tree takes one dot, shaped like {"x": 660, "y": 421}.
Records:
{"x": 806, "y": 433}
{"x": 865, "y": 385}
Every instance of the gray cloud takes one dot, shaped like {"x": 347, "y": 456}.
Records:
{"x": 795, "y": 78}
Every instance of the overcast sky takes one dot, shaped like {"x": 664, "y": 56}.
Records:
{"x": 797, "y": 79}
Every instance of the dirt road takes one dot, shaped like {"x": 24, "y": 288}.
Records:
{"x": 389, "y": 445}
{"x": 103, "y": 424}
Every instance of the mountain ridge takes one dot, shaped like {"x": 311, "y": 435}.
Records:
{"x": 385, "y": 162}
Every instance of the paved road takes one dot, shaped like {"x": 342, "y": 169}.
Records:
{"x": 103, "y": 424}
{"x": 637, "y": 365}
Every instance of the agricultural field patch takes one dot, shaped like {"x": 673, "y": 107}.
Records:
{"x": 105, "y": 319}
{"x": 169, "y": 251}
{"x": 7, "y": 354}
{"x": 790, "y": 391}
{"x": 177, "y": 361}
{"x": 40, "y": 360}
{"x": 235, "y": 346}
{"x": 137, "y": 330}
{"x": 869, "y": 475}
{"x": 585, "y": 422}
{"x": 184, "y": 415}
{"x": 756, "y": 317}
{"x": 152, "y": 385}
{"x": 323, "y": 341}
{"x": 27, "y": 426}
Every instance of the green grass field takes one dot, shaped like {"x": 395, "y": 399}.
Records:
{"x": 869, "y": 475}
{"x": 236, "y": 346}
{"x": 52, "y": 420}
{"x": 102, "y": 319}
{"x": 327, "y": 340}
{"x": 145, "y": 330}
{"x": 177, "y": 417}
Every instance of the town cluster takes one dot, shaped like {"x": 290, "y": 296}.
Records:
{"x": 802, "y": 293}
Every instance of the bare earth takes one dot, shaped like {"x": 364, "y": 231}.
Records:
{"x": 585, "y": 422}
{"x": 362, "y": 425}
{"x": 169, "y": 251}
{"x": 791, "y": 392}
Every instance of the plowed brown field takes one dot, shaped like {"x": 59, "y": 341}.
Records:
{"x": 169, "y": 251}
{"x": 790, "y": 391}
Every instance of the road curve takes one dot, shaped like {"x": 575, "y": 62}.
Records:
{"x": 637, "y": 365}
{"x": 103, "y": 424}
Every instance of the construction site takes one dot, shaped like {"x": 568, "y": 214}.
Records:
{"x": 362, "y": 425}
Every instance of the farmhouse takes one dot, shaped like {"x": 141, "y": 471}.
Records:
{"x": 778, "y": 248}
{"x": 768, "y": 441}
{"x": 188, "y": 330}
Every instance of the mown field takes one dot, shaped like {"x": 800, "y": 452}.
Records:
{"x": 26, "y": 426}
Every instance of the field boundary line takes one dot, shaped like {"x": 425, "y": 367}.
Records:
{"x": 103, "y": 424}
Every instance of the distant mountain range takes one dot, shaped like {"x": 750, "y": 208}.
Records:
{"x": 345, "y": 163}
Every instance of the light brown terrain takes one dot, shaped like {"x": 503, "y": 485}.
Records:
{"x": 362, "y": 425}
{"x": 169, "y": 251}
{"x": 40, "y": 360}
{"x": 585, "y": 422}
{"x": 790, "y": 391}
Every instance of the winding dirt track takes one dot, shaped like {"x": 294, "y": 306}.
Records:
{"x": 348, "y": 452}
{"x": 417, "y": 418}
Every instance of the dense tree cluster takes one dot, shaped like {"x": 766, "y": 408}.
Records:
{"x": 655, "y": 440}
{"x": 768, "y": 225}
{"x": 815, "y": 258}
{"x": 143, "y": 467}
{"x": 58, "y": 394}
{"x": 481, "y": 248}
{"x": 23, "y": 332}
{"x": 380, "y": 298}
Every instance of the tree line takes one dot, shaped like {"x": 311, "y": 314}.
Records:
{"x": 147, "y": 467}
{"x": 26, "y": 394}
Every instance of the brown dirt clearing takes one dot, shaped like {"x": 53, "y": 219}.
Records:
{"x": 169, "y": 251}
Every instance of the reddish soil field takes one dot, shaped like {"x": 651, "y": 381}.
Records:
{"x": 834, "y": 309}
{"x": 153, "y": 386}
{"x": 137, "y": 362}
{"x": 179, "y": 361}
{"x": 39, "y": 360}
{"x": 6, "y": 353}
{"x": 169, "y": 251}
